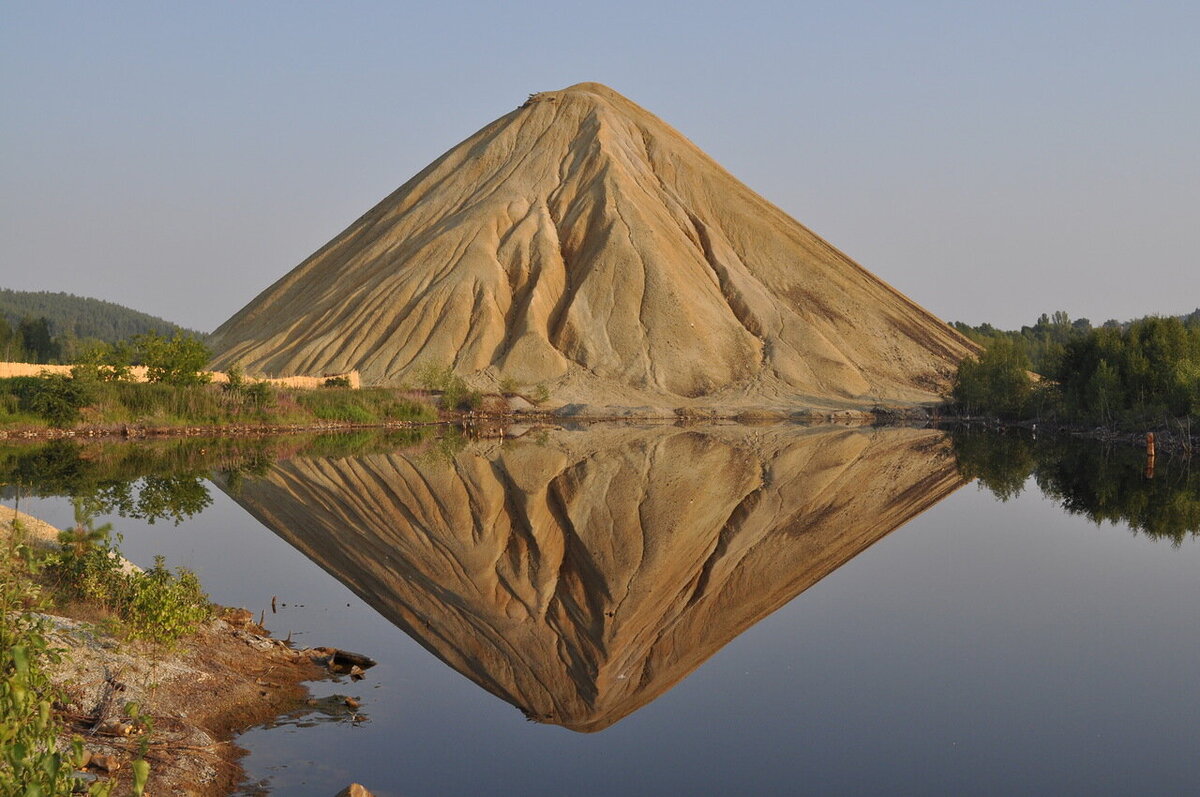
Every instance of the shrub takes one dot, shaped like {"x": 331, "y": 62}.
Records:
{"x": 336, "y": 381}
{"x": 105, "y": 362}
{"x": 154, "y": 604}
{"x": 53, "y": 397}
{"x": 455, "y": 393}
{"x": 260, "y": 395}
{"x": 178, "y": 360}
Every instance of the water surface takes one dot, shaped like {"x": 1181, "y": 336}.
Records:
{"x": 708, "y": 610}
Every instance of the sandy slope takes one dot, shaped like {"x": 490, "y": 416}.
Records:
{"x": 581, "y": 242}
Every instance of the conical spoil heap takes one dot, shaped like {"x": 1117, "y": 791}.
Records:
{"x": 581, "y": 243}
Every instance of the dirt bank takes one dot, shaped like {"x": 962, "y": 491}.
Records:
{"x": 196, "y": 695}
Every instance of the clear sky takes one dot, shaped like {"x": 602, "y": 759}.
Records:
{"x": 992, "y": 160}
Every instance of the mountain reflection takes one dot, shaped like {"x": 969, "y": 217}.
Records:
{"x": 580, "y": 575}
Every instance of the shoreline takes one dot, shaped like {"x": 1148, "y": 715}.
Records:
{"x": 495, "y": 424}
{"x": 199, "y": 694}
{"x": 1166, "y": 440}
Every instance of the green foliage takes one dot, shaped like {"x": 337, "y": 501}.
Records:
{"x": 1043, "y": 343}
{"x": 455, "y": 393}
{"x": 541, "y": 393}
{"x": 155, "y": 604}
{"x": 433, "y": 377}
{"x": 53, "y": 397}
{"x": 370, "y": 405}
{"x": 105, "y": 362}
{"x": 80, "y": 317}
{"x": 163, "y": 606}
{"x": 242, "y": 394}
{"x": 998, "y": 382}
{"x": 259, "y": 395}
{"x": 32, "y": 760}
{"x": 39, "y": 344}
{"x": 336, "y": 381}
{"x": 178, "y": 360}
{"x": 60, "y": 399}
{"x": 1146, "y": 372}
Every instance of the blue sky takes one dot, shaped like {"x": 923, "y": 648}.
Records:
{"x": 991, "y": 160}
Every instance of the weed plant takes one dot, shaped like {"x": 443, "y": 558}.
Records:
{"x": 155, "y": 604}
{"x": 33, "y": 759}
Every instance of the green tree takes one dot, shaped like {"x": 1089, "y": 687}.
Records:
{"x": 997, "y": 382}
{"x": 40, "y": 345}
{"x": 1104, "y": 389}
{"x": 178, "y": 360}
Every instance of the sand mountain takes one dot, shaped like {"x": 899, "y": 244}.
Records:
{"x": 582, "y": 242}
{"x": 580, "y": 576}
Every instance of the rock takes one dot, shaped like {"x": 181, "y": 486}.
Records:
{"x": 354, "y": 790}
{"x": 106, "y": 763}
{"x": 237, "y": 617}
{"x": 351, "y": 702}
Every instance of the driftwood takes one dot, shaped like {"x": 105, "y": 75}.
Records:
{"x": 344, "y": 659}
{"x": 104, "y": 710}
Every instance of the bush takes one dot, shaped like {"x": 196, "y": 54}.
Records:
{"x": 105, "y": 362}
{"x": 154, "y": 604}
{"x": 407, "y": 410}
{"x": 52, "y": 397}
{"x": 336, "y": 381}
{"x": 30, "y": 759}
{"x": 259, "y": 395}
{"x": 175, "y": 361}
{"x": 455, "y": 393}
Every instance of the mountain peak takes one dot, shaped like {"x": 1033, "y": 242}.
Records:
{"x": 583, "y": 243}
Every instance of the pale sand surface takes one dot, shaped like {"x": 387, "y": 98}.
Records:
{"x": 582, "y": 243}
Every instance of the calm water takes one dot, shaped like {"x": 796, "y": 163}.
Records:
{"x": 703, "y": 611}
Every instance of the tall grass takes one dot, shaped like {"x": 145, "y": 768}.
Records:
{"x": 161, "y": 404}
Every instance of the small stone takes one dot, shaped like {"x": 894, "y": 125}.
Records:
{"x": 354, "y": 790}
{"x": 106, "y": 763}
{"x": 237, "y": 617}
{"x": 351, "y": 702}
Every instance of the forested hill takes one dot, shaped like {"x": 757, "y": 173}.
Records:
{"x": 80, "y": 317}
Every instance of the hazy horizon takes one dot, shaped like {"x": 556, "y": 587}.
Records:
{"x": 992, "y": 162}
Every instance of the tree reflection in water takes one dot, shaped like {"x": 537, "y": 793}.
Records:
{"x": 1101, "y": 482}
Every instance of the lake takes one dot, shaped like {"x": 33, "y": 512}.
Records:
{"x": 692, "y": 609}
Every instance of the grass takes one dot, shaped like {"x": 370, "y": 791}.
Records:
{"x": 369, "y": 405}
{"x": 66, "y": 402}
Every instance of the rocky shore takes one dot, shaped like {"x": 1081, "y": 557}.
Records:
{"x": 179, "y": 706}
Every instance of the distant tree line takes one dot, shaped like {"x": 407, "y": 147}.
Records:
{"x": 45, "y": 327}
{"x": 1144, "y": 371}
{"x": 29, "y": 341}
